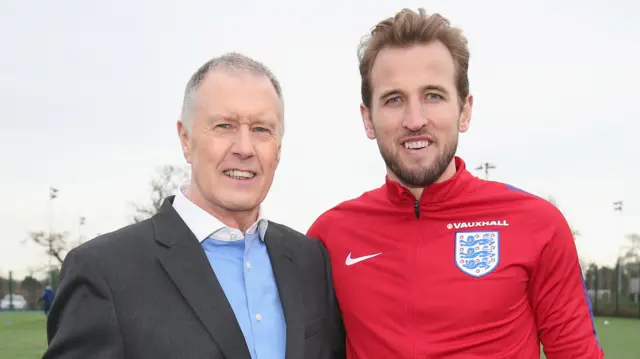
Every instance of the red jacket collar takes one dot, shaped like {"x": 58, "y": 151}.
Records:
{"x": 435, "y": 193}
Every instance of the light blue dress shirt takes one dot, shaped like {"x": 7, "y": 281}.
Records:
{"x": 243, "y": 268}
{"x": 244, "y": 271}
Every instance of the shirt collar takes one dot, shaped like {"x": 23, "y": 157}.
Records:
{"x": 204, "y": 225}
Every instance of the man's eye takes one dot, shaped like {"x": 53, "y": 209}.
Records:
{"x": 262, "y": 130}
{"x": 394, "y": 100}
{"x": 433, "y": 96}
{"x": 223, "y": 125}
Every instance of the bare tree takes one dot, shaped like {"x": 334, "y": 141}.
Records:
{"x": 55, "y": 244}
{"x": 631, "y": 256}
{"x": 167, "y": 180}
{"x": 632, "y": 252}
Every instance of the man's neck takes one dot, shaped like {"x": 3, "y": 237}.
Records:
{"x": 241, "y": 220}
{"x": 449, "y": 172}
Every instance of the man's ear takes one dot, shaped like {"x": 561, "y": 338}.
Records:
{"x": 366, "y": 121}
{"x": 465, "y": 114}
{"x": 185, "y": 142}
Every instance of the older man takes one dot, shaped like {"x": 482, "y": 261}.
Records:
{"x": 207, "y": 276}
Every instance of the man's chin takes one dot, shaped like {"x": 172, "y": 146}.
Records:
{"x": 425, "y": 165}
{"x": 419, "y": 175}
{"x": 241, "y": 205}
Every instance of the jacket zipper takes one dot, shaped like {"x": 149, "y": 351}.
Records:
{"x": 416, "y": 211}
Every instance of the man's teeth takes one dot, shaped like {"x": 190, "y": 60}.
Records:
{"x": 416, "y": 144}
{"x": 239, "y": 174}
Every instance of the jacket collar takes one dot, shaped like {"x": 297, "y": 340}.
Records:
{"x": 185, "y": 262}
{"x": 435, "y": 193}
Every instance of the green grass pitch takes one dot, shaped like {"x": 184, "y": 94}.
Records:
{"x": 23, "y": 336}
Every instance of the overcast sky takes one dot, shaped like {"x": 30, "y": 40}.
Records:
{"x": 90, "y": 92}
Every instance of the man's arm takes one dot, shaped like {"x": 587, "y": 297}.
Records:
{"x": 560, "y": 299}
{"x": 337, "y": 335}
{"x": 82, "y": 322}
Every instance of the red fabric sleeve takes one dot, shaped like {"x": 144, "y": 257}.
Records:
{"x": 560, "y": 299}
{"x": 313, "y": 232}
{"x": 315, "y": 229}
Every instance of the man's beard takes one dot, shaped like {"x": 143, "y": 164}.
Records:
{"x": 421, "y": 177}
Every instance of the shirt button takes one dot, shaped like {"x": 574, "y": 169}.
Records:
{"x": 233, "y": 236}
{"x": 258, "y": 317}
{"x": 248, "y": 265}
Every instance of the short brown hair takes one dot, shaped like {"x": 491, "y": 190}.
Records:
{"x": 408, "y": 28}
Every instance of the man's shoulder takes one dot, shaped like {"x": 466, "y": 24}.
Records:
{"x": 112, "y": 245}
{"x": 362, "y": 204}
{"x": 516, "y": 200}
{"x": 301, "y": 245}
{"x": 290, "y": 235}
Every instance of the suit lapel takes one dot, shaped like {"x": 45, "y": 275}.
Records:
{"x": 285, "y": 272}
{"x": 187, "y": 265}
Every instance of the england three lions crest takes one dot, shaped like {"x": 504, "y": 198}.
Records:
{"x": 478, "y": 252}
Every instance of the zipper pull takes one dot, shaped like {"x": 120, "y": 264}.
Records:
{"x": 416, "y": 208}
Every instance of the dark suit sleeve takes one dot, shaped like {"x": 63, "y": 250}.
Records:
{"x": 338, "y": 335}
{"x": 82, "y": 322}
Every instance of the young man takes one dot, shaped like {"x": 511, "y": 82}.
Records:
{"x": 437, "y": 263}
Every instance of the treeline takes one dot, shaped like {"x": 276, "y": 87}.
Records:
{"x": 29, "y": 287}
{"x": 614, "y": 291}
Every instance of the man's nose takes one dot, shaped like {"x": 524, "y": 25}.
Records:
{"x": 415, "y": 116}
{"x": 243, "y": 145}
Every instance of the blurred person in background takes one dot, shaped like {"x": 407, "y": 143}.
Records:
{"x": 207, "y": 276}
{"x": 437, "y": 263}
{"x": 47, "y": 299}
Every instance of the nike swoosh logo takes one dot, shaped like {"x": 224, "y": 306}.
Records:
{"x": 351, "y": 261}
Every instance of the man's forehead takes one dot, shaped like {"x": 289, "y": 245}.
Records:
{"x": 403, "y": 66}
{"x": 248, "y": 93}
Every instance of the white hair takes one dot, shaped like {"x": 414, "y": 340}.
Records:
{"x": 233, "y": 62}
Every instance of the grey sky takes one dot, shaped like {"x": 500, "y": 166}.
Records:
{"x": 90, "y": 92}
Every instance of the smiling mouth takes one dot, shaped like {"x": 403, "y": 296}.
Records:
{"x": 239, "y": 175}
{"x": 416, "y": 145}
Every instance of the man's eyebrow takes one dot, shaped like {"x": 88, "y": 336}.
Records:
{"x": 263, "y": 122}
{"x": 390, "y": 92}
{"x": 436, "y": 88}
{"x": 217, "y": 118}
{"x": 395, "y": 92}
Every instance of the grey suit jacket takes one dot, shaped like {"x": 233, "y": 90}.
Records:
{"x": 148, "y": 291}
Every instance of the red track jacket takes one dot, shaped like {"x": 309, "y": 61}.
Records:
{"x": 474, "y": 269}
